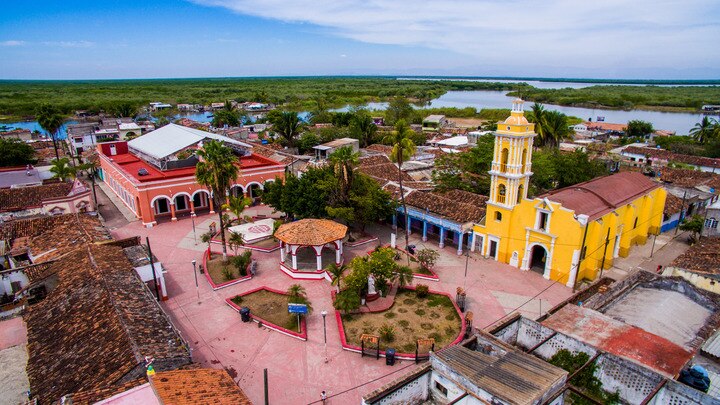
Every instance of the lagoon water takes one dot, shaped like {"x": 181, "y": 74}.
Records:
{"x": 680, "y": 123}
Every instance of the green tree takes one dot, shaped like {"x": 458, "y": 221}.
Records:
{"x": 555, "y": 128}
{"x": 123, "y": 109}
{"x": 297, "y": 295}
{"x": 15, "y": 152}
{"x": 51, "y": 121}
{"x": 427, "y": 257}
{"x": 553, "y": 169}
{"x": 694, "y": 225}
{"x": 235, "y": 241}
{"x": 336, "y": 271}
{"x": 224, "y": 117}
{"x": 342, "y": 162}
{"x": 363, "y": 128}
{"x": 62, "y": 170}
{"x": 307, "y": 141}
{"x": 537, "y": 116}
{"x": 287, "y": 124}
{"x": 403, "y": 149}
{"x": 704, "y": 130}
{"x": 347, "y": 301}
{"x": 237, "y": 205}
{"x": 217, "y": 170}
{"x": 369, "y": 202}
{"x": 638, "y": 128}
{"x": 399, "y": 109}
{"x": 467, "y": 170}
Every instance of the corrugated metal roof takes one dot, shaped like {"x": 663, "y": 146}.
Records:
{"x": 712, "y": 345}
{"x": 516, "y": 378}
{"x": 171, "y": 138}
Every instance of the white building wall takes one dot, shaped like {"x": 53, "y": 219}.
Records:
{"x": 415, "y": 391}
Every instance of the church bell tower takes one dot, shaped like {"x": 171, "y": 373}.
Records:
{"x": 511, "y": 166}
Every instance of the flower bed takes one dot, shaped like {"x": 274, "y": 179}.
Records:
{"x": 436, "y": 316}
{"x": 269, "y": 308}
{"x": 213, "y": 271}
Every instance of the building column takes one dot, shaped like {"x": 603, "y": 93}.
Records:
{"x": 318, "y": 256}
{"x": 172, "y": 211}
{"x": 394, "y": 219}
{"x": 472, "y": 242}
{"x": 461, "y": 238}
{"x": 408, "y": 224}
{"x": 210, "y": 202}
{"x": 294, "y": 259}
{"x": 192, "y": 207}
{"x": 424, "y": 237}
{"x": 442, "y": 237}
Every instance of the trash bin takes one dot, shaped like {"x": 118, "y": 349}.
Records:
{"x": 245, "y": 314}
{"x": 390, "y": 357}
{"x": 411, "y": 249}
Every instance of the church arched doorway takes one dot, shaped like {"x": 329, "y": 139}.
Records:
{"x": 538, "y": 259}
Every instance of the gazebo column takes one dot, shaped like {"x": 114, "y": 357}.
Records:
{"x": 461, "y": 238}
{"x": 318, "y": 256}
{"x": 282, "y": 252}
{"x": 424, "y": 237}
{"x": 442, "y": 238}
{"x": 293, "y": 252}
{"x": 172, "y": 211}
{"x": 338, "y": 253}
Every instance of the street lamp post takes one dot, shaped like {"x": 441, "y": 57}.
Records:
{"x": 324, "y": 314}
{"x": 197, "y": 288}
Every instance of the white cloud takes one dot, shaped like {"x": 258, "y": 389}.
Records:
{"x": 608, "y": 33}
{"x": 70, "y": 44}
{"x": 12, "y": 43}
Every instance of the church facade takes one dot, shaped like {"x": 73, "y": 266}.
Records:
{"x": 567, "y": 234}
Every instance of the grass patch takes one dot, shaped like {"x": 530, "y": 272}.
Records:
{"x": 272, "y": 307}
{"x": 440, "y": 300}
{"x": 409, "y": 325}
{"x": 217, "y": 269}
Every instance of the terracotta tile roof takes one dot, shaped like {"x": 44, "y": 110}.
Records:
{"x": 689, "y": 178}
{"x": 373, "y": 160}
{"x": 311, "y": 232}
{"x": 447, "y": 205}
{"x": 95, "y": 327}
{"x": 663, "y": 154}
{"x": 17, "y": 199}
{"x": 203, "y": 386}
{"x": 380, "y": 168}
{"x": 702, "y": 257}
{"x": 272, "y": 154}
{"x": 673, "y": 204}
{"x": 386, "y": 149}
{"x": 65, "y": 236}
{"x": 605, "y": 126}
{"x": 599, "y": 196}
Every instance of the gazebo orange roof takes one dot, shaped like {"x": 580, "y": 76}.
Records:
{"x": 311, "y": 232}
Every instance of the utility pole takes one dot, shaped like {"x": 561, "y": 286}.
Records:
{"x": 607, "y": 242}
{"x": 152, "y": 266}
{"x": 265, "y": 382}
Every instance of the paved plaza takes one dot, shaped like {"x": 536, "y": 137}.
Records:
{"x": 297, "y": 370}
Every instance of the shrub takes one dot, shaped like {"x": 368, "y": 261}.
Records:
{"x": 435, "y": 336}
{"x": 420, "y": 312}
{"x": 408, "y": 348}
{"x": 422, "y": 291}
{"x": 450, "y": 331}
{"x": 427, "y": 257}
{"x": 440, "y": 300}
{"x": 404, "y": 323}
{"x": 426, "y": 326}
{"x": 409, "y": 301}
{"x": 387, "y": 332}
{"x": 451, "y": 317}
{"x": 237, "y": 300}
{"x": 227, "y": 274}
{"x": 390, "y": 315}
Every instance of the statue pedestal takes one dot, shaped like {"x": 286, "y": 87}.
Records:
{"x": 372, "y": 297}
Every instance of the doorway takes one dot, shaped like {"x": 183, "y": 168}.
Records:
{"x": 538, "y": 258}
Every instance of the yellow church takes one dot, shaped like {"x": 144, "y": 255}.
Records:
{"x": 567, "y": 234}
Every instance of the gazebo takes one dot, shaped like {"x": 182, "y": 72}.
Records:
{"x": 312, "y": 233}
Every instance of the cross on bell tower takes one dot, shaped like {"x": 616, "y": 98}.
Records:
{"x": 511, "y": 166}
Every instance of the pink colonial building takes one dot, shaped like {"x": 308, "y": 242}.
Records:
{"x": 154, "y": 175}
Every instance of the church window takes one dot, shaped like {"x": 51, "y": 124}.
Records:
{"x": 504, "y": 159}
{"x": 501, "y": 194}
{"x": 441, "y": 388}
{"x": 498, "y": 216}
{"x": 520, "y": 194}
{"x": 635, "y": 224}
{"x": 542, "y": 220}
{"x": 524, "y": 159}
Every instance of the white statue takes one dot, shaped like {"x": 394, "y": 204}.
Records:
{"x": 371, "y": 285}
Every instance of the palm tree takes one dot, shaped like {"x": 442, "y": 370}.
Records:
{"x": 235, "y": 241}
{"x": 555, "y": 128}
{"x": 363, "y": 127}
{"x": 237, "y": 205}
{"x": 297, "y": 295}
{"x": 538, "y": 117}
{"x": 346, "y": 301}
{"x": 51, "y": 121}
{"x": 342, "y": 162}
{"x": 288, "y": 125}
{"x": 703, "y": 130}
{"x": 336, "y": 271}
{"x": 62, "y": 170}
{"x": 404, "y": 275}
{"x": 91, "y": 165}
{"x": 216, "y": 170}
{"x": 403, "y": 149}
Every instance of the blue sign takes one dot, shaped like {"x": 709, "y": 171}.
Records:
{"x": 297, "y": 308}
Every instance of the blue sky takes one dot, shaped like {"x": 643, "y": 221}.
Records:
{"x": 49, "y": 39}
